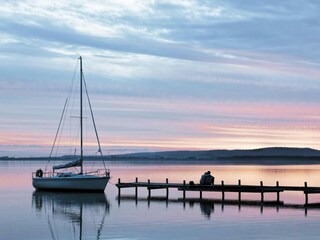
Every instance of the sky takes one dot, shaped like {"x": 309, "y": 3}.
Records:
{"x": 162, "y": 75}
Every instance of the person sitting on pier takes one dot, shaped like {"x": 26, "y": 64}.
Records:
{"x": 207, "y": 179}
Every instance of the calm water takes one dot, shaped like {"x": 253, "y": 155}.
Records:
{"x": 26, "y": 214}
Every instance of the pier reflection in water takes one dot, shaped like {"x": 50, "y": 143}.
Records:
{"x": 207, "y": 206}
{"x": 74, "y": 213}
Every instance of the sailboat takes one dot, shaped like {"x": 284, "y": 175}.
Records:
{"x": 79, "y": 180}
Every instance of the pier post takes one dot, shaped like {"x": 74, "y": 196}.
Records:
{"x": 149, "y": 190}
{"x": 167, "y": 189}
{"x": 119, "y": 188}
{"x": 136, "y": 189}
{"x": 262, "y": 193}
{"x": 184, "y": 194}
{"x": 200, "y": 194}
{"x": 222, "y": 190}
{"x": 278, "y": 193}
{"x": 306, "y": 202}
{"x": 239, "y": 194}
{"x": 119, "y": 192}
{"x": 306, "y": 193}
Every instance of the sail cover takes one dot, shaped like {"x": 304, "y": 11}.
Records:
{"x": 74, "y": 163}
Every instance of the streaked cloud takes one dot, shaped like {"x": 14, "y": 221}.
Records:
{"x": 164, "y": 74}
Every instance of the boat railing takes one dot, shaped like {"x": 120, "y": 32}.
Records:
{"x": 44, "y": 174}
{"x": 98, "y": 172}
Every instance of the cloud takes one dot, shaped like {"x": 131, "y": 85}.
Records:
{"x": 200, "y": 53}
{"x": 179, "y": 30}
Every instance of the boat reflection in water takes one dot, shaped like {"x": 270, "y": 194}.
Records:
{"x": 66, "y": 212}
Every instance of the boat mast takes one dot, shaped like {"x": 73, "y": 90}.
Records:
{"x": 81, "y": 130}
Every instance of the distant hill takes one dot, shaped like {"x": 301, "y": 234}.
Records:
{"x": 267, "y": 153}
{"x": 272, "y": 155}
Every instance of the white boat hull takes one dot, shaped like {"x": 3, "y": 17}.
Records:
{"x": 73, "y": 183}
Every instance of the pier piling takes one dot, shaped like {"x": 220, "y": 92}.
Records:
{"x": 119, "y": 189}
{"x": 239, "y": 194}
{"x": 306, "y": 193}
{"x": 136, "y": 189}
{"x": 262, "y": 192}
{"x": 278, "y": 193}
{"x": 184, "y": 187}
{"x": 149, "y": 189}
{"x": 222, "y": 190}
{"x": 167, "y": 189}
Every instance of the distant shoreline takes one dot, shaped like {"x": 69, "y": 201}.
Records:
{"x": 263, "y": 156}
{"x": 243, "y": 160}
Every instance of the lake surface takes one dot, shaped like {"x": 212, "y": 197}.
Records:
{"x": 26, "y": 214}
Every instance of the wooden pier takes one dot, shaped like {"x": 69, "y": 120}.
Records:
{"x": 223, "y": 188}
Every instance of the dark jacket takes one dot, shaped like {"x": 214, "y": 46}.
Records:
{"x": 206, "y": 179}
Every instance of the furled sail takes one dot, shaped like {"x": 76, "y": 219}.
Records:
{"x": 74, "y": 163}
